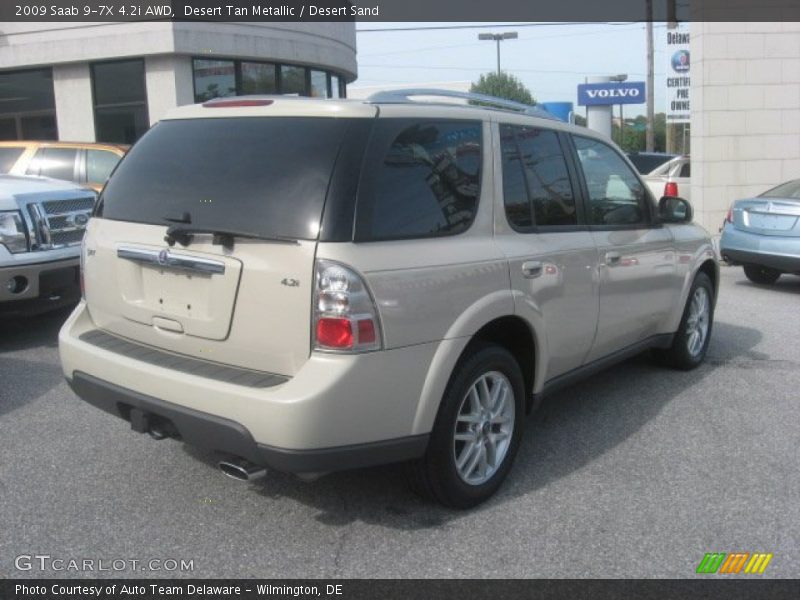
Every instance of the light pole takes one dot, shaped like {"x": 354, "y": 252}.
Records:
{"x": 498, "y": 37}
{"x": 619, "y": 79}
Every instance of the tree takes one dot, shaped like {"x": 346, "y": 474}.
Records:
{"x": 634, "y": 138}
{"x": 503, "y": 85}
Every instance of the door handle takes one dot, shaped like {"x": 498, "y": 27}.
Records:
{"x": 613, "y": 258}
{"x": 532, "y": 268}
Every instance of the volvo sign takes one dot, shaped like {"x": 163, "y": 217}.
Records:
{"x": 607, "y": 94}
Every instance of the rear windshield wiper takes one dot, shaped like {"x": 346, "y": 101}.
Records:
{"x": 183, "y": 234}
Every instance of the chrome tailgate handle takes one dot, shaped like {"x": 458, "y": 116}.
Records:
{"x": 167, "y": 260}
{"x": 532, "y": 268}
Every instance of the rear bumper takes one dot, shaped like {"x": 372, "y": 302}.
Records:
{"x": 777, "y": 252}
{"x": 47, "y": 286}
{"x": 224, "y": 435}
{"x": 335, "y": 412}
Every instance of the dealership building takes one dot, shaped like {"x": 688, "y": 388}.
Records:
{"x": 745, "y": 105}
{"x": 108, "y": 82}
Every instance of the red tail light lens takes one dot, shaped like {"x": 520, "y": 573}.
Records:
{"x": 729, "y": 216}
{"x": 671, "y": 189}
{"x": 334, "y": 333}
{"x": 345, "y": 317}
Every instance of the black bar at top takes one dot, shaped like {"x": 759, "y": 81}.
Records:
{"x": 421, "y": 11}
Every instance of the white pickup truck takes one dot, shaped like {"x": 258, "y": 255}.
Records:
{"x": 665, "y": 174}
{"x": 41, "y": 227}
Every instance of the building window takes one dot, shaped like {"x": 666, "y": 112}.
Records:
{"x": 259, "y": 78}
{"x": 319, "y": 84}
{"x": 293, "y": 80}
{"x": 222, "y": 78}
{"x": 120, "y": 101}
{"x": 27, "y": 105}
{"x": 214, "y": 79}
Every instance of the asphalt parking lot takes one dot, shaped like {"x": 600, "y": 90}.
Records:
{"x": 636, "y": 472}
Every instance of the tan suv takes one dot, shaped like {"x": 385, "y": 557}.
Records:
{"x": 314, "y": 285}
{"x": 86, "y": 164}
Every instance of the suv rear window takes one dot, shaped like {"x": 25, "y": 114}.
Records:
{"x": 262, "y": 176}
{"x": 421, "y": 179}
{"x": 9, "y": 157}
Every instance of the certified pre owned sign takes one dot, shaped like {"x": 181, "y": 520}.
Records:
{"x": 598, "y": 94}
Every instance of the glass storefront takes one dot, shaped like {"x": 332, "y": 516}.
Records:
{"x": 222, "y": 78}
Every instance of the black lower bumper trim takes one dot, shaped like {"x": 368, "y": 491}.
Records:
{"x": 58, "y": 287}
{"x": 788, "y": 264}
{"x": 208, "y": 431}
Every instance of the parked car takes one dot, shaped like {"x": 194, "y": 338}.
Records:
{"x": 665, "y": 174}
{"x": 41, "y": 226}
{"x": 763, "y": 234}
{"x": 83, "y": 163}
{"x": 314, "y": 285}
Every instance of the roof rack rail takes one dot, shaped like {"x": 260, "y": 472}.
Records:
{"x": 404, "y": 96}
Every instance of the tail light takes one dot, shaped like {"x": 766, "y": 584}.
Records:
{"x": 345, "y": 317}
{"x": 729, "y": 216}
{"x": 671, "y": 189}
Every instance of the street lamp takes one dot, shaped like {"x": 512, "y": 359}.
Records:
{"x": 498, "y": 37}
{"x": 619, "y": 79}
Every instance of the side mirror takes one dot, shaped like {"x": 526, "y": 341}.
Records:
{"x": 672, "y": 209}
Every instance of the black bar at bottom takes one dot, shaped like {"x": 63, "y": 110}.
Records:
{"x": 703, "y": 586}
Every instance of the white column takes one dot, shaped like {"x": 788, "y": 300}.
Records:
{"x": 72, "y": 85}
{"x": 598, "y": 118}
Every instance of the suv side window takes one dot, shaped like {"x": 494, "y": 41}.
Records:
{"x": 99, "y": 164}
{"x": 421, "y": 179}
{"x": 58, "y": 163}
{"x": 616, "y": 196}
{"x": 536, "y": 184}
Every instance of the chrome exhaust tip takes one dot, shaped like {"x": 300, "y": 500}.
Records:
{"x": 241, "y": 469}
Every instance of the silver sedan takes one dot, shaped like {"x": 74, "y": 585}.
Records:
{"x": 763, "y": 234}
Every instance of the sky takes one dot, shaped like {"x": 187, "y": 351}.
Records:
{"x": 550, "y": 59}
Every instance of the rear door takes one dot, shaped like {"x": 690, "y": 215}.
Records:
{"x": 242, "y": 299}
{"x": 551, "y": 253}
{"x": 636, "y": 257}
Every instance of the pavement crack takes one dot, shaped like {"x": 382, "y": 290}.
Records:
{"x": 341, "y": 543}
{"x": 754, "y": 363}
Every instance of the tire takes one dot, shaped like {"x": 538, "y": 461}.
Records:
{"x": 437, "y": 475}
{"x": 761, "y": 275}
{"x": 687, "y": 351}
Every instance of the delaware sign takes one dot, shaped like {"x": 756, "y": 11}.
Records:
{"x": 606, "y": 94}
{"x": 678, "y": 80}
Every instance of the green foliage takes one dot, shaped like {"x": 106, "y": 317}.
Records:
{"x": 503, "y": 85}
{"x": 634, "y": 134}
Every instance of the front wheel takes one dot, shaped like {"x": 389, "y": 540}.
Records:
{"x": 690, "y": 343}
{"x": 477, "y": 431}
{"x": 761, "y": 275}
